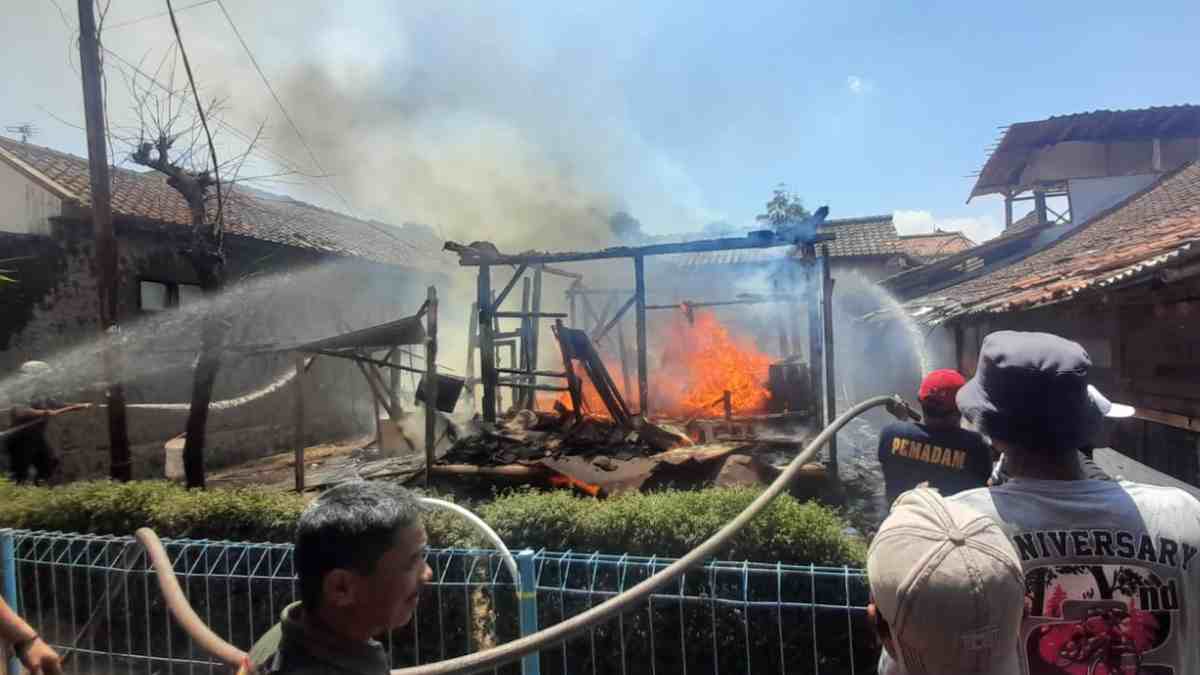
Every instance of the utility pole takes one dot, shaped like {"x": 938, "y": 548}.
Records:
{"x": 120, "y": 466}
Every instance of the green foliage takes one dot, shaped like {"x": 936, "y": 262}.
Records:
{"x": 785, "y": 208}
{"x": 105, "y": 507}
{"x": 667, "y": 523}
{"x": 670, "y": 523}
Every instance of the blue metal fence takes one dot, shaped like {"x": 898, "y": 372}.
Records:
{"x": 94, "y": 598}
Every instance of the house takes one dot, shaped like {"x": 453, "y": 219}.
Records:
{"x": 869, "y": 246}
{"x": 343, "y": 272}
{"x": 930, "y": 246}
{"x": 1121, "y": 275}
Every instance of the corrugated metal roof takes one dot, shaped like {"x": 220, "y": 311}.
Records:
{"x": 866, "y": 236}
{"x": 1020, "y": 140}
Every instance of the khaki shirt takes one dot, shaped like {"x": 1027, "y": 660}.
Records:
{"x": 293, "y": 648}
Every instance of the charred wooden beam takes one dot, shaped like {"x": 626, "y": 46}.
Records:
{"x": 600, "y": 334}
{"x": 531, "y": 315}
{"x": 639, "y": 272}
{"x": 482, "y": 256}
{"x": 508, "y": 288}
{"x": 522, "y": 384}
{"x": 535, "y": 373}
{"x": 431, "y": 380}
{"x": 829, "y": 383}
{"x": 487, "y": 346}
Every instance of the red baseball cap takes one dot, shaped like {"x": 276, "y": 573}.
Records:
{"x": 938, "y": 390}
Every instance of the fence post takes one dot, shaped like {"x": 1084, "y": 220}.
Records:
{"x": 8, "y": 565}
{"x": 527, "y": 596}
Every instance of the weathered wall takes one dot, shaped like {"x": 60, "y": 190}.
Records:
{"x": 27, "y": 207}
{"x": 1145, "y": 349}
{"x": 50, "y": 315}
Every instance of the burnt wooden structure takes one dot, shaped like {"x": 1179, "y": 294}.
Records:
{"x": 362, "y": 346}
{"x": 811, "y": 273}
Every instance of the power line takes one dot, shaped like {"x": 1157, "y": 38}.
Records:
{"x": 312, "y": 155}
{"x": 203, "y": 121}
{"x": 131, "y": 22}
{"x": 278, "y": 102}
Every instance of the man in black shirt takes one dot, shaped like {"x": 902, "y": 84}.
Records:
{"x": 937, "y": 451}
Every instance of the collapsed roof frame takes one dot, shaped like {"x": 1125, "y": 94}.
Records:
{"x": 486, "y": 310}
{"x": 356, "y": 346}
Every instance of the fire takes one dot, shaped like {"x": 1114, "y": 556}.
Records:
{"x": 701, "y": 362}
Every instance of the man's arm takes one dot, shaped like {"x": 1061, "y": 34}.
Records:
{"x": 37, "y": 656}
{"x": 71, "y": 408}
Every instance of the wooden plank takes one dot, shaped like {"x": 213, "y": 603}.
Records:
{"x": 508, "y": 288}
{"x": 532, "y": 314}
{"x": 1170, "y": 419}
{"x": 1118, "y": 465}
{"x": 379, "y": 395}
{"x": 600, "y": 334}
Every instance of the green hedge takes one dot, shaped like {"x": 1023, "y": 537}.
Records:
{"x": 667, "y": 523}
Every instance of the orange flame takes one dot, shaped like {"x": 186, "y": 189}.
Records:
{"x": 700, "y": 361}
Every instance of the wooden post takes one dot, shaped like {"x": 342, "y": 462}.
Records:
{"x": 571, "y": 302}
{"x": 120, "y": 461}
{"x": 472, "y": 345}
{"x": 487, "y": 346}
{"x": 393, "y": 385}
{"x": 1007, "y": 210}
{"x": 827, "y": 343}
{"x": 639, "y": 272}
{"x": 1039, "y": 205}
{"x": 812, "y": 301}
{"x": 522, "y": 395}
{"x": 298, "y": 423}
{"x": 431, "y": 383}
{"x": 727, "y": 401}
{"x": 623, "y": 352}
{"x": 794, "y": 280}
{"x": 535, "y": 329}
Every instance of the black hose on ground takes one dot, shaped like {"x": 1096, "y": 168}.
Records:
{"x": 556, "y": 634}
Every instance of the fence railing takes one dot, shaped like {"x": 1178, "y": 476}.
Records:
{"x": 94, "y": 599}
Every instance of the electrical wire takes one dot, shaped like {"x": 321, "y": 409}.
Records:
{"x": 212, "y": 149}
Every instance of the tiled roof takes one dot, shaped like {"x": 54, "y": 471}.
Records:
{"x": 1022, "y": 139}
{"x": 1023, "y": 223}
{"x": 868, "y": 236}
{"x": 1150, "y": 228}
{"x": 250, "y": 213}
{"x": 937, "y": 244}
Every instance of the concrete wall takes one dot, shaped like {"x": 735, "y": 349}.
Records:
{"x": 1090, "y": 196}
{"x": 50, "y": 315}
{"x": 27, "y": 207}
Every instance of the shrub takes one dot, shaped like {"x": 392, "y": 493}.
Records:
{"x": 667, "y": 523}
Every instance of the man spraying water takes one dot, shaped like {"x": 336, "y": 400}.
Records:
{"x": 25, "y": 440}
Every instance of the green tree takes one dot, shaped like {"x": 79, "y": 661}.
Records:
{"x": 785, "y": 208}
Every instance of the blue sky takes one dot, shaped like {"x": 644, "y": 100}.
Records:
{"x": 682, "y": 114}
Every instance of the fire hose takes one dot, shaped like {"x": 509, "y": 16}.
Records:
{"x": 210, "y": 642}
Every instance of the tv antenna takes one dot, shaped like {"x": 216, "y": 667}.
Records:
{"x": 26, "y": 130}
